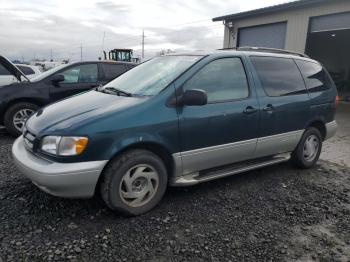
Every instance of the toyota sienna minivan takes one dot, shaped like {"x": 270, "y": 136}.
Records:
{"x": 180, "y": 120}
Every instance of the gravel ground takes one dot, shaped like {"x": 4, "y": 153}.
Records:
{"x": 273, "y": 214}
{"x": 337, "y": 149}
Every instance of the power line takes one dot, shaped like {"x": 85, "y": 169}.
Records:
{"x": 112, "y": 37}
{"x": 189, "y": 23}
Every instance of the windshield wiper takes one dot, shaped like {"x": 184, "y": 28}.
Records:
{"x": 113, "y": 90}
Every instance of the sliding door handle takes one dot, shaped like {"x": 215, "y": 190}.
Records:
{"x": 250, "y": 110}
{"x": 269, "y": 108}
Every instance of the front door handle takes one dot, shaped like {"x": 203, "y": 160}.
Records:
{"x": 250, "y": 110}
{"x": 269, "y": 108}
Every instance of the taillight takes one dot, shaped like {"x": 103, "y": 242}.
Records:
{"x": 337, "y": 100}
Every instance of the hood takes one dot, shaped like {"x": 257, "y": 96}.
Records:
{"x": 14, "y": 70}
{"x": 78, "y": 110}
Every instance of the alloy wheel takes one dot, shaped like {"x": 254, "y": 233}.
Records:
{"x": 20, "y": 117}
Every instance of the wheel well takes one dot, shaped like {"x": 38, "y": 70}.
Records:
{"x": 155, "y": 148}
{"x": 20, "y": 100}
{"x": 23, "y": 100}
{"x": 320, "y": 126}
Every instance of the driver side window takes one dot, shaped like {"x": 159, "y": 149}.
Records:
{"x": 80, "y": 74}
{"x": 223, "y": 79}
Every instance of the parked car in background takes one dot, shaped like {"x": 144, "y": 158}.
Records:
{"x": 179, "y": 120}
{"x": 7, "y": 78}
{"x": 19, "y": 100}
{"x": 29, "y": 70}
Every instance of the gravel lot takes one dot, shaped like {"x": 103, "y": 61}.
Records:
{"x": 273, "y": 214}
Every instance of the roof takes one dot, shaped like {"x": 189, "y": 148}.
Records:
{"x": 249, "y": 51}
{"x": 271, "y": 9}
{"x": 104, "y": 62}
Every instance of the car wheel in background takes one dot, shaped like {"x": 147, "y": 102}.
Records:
{"x": 134, "y": 182}
{"x": 16, "y": 116}
{"x": 309, "y": 149}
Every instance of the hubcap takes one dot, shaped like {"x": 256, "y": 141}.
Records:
{"x": 311, "y": 146}
{"x": 139, "y": 185}
{"x": 21, "y": 117}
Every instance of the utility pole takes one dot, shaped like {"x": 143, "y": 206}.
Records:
{"x": 51, "y": 55}
{"x": 143, "y": 45}
{"x": 81, "y": 51}
{"x": 103, "y": 43}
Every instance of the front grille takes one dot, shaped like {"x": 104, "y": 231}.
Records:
{"x": 29, "y": 139}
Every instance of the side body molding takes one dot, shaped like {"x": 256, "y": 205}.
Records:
{"x": 208, "y": 157}
{"x": 196, "y": 160}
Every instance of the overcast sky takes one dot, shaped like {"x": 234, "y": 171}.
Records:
{"x": 31, "y": 28}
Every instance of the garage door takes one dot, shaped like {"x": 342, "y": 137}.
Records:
{"x": 330, "y": 22}
{"x": 271, "y": 35}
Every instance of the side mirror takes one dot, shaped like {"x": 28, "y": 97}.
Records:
{"x": 57, "y": 79}
{"x": 194, "y": 97}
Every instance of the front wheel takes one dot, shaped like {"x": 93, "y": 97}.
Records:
{"x": 134, "y": 183}
{"x": 309, "y": 149}
{"x": 16, "y": 116}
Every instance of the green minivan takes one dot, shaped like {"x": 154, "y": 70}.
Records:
{"x": 180, "y": 120}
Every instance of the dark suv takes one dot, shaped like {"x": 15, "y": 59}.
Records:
{"x": 179, "y": 120}
{"x": 19, "y": 100}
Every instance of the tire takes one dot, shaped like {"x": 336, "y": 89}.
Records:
{"x": 128, "y": 180}
{"x": 303, "y": 157}
{"x": 15, "y": 111}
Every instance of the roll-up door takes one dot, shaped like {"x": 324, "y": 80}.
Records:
{"x": 271, "y": 35}
{"x": 330, "y": 22}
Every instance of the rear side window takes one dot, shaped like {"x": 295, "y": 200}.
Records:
{"x": 112, "y": 71}
{"x": 316, "y": 78}
{"x": 279, "y": 76}
{"x": 223, "y": 79}
{"x": 26, "y": 70}
{"x": 3, "y": 71}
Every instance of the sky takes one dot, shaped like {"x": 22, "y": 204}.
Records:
{"x": 32, "y": 29}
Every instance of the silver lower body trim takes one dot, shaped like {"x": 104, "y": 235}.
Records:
{"x": 331, "y": 129}
{"x": 193, "y": 179}
{"x": 73, "y": 180}
{"x": 205, "y": 158}
{"x": 277, "y": 144}
{"x": 193, "y": 161}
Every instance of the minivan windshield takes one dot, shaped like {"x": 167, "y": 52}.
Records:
{"x": 151, "y": 77}
{"x": 48, "y": 72}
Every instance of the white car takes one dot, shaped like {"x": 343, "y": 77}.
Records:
{"x": 7, "y": 78}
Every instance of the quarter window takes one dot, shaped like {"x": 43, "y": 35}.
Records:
{"x": 315, "y": 76}
{"x": 80, "y": 74}
{"x": 3, "y": 71}
{"x": 279, "y": 76}
{"x": 223, "y": 79}
{"x": 112, "y": 71}
{"x": 26, "y": 70}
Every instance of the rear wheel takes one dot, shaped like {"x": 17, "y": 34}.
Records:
{"x": 16, "y": 116}
{"x": 309, "y": 149}
{"x": 134, "y": 183}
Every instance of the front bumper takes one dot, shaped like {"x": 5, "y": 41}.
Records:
{"x": 73, "y": 180}
{"x": 331, "y": 129}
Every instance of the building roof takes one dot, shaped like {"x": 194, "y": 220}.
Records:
{"x": 271, "y": 9}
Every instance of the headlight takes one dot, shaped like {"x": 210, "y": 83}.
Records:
{"x": 64, "y": 146}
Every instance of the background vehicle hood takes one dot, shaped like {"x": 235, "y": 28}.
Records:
{"x": 78, "y": 110}
{"x": 14, "y": 70}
